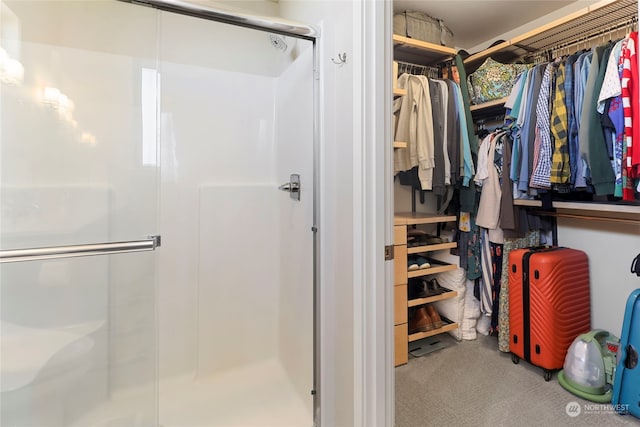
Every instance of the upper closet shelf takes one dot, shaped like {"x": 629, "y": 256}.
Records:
{"x": 597, "y": 19}
{"x": 491, "y": 108}
{"x": 414, "y": 218}
{"x": 420, "y": 52}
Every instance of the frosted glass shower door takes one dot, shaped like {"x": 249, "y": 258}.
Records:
{"x": 78, "y": 176}
{"x": 236, "y": 289}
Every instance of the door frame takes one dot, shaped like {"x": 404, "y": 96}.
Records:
{"x": 373, "y": 174}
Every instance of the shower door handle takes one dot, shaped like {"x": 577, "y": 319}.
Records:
{"x": 55, "y": 252}
{"x": 292, "y": 187}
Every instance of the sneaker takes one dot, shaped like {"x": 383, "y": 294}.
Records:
{"x": 423, "y": 262}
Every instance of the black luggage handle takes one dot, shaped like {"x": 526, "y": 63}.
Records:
{"x": 543, "y": 248}
{"x": 635, "y": 265}
{"x": 631, "y": 360}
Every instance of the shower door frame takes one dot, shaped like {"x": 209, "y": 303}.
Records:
{"x": 298, "y": 31}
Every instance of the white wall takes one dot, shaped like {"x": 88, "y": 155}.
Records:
{"x": 610, "y": 248}
{"x": 335, "y": 21}
{"x": 356, "y": 385}
{"x": 536, "y": 23}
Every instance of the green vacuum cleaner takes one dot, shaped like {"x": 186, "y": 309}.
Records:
{"x": 589, "y": 367}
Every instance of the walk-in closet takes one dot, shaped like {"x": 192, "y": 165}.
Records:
{"x": 492, "y": 171}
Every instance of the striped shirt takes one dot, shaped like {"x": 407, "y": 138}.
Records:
{"x": 628, "y": 51}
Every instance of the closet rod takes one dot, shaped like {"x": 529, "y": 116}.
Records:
{"x": 589, "y": 217}
{"x": 403, "y": 67}
{"x": 624, "y": 25}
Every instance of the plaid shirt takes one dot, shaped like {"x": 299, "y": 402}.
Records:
{"x": 560, "y": 166}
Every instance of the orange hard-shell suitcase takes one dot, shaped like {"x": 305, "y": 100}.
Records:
{"x": 549, "y": 304}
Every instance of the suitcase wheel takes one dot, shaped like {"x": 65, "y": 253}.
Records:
{"x": 515, "y": 359}
{"x": 547, "y": 375}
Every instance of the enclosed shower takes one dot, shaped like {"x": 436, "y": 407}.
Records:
{"x": 157, "y": 227}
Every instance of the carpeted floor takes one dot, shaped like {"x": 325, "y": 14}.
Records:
{"x": 471, "y": 383}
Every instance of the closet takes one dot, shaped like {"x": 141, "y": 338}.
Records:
{"x": 593, "y": 25}
{"x": 416, "y": 56}
{"x": 597, "y": 24}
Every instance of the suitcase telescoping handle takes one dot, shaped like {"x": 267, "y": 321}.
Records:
{"x": 543, "y": 248}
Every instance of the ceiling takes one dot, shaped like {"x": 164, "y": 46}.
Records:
{"x": 474, "y": 22}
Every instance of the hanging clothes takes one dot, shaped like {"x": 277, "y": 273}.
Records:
{"x": 610, "y": 107}
{"x": 572, "y": 129}
{"x": 527, "y": 131}
{"x": 602, "y": 175}
{"x": 489, "y": 207}
{"x": 582, "y": 173}
{"x": 415, "y": 127}
{"x": 468, "y": 190}
{"x": 631, "y": 157}
{"x": 560, "y": 168}
{"x": 569, "y": 125}
{"x": 635, "y": 102}
{"x": 468, "y": 168}
{"x": 431, "y": 119}
{"x": 454, "y": 140}
{"x": 439, "y": 94}
{"x": 540, "y": 178}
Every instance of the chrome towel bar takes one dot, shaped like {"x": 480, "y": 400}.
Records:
{"x": 54, "y": 252}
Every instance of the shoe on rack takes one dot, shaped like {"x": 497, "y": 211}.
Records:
{"x": 433, "y": 240}
{"x": 434, "y": 286}
{"x": 420, "y": 321}
{"x": 423, "y": 262}
{"x": 417, "y": 289}
{"x": 415, "y": 237}
{"x": 412, "y": 263}
{"x": 416, "y": 232}
{"x": 435, "y": 317}
{"x": 427, "y": 288}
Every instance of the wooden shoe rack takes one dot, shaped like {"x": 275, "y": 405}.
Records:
{"x": 401, "y": 302}
{"x": 422, "y": 53}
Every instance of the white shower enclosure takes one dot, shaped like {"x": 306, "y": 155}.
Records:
{"x": 157, "y": 248}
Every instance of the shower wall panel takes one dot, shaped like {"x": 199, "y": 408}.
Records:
{"x": 239, "y": 280}
{"x": 236, "y": 282}
{"x": 217, "y": 140}
{"x": 294, "y": 148}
